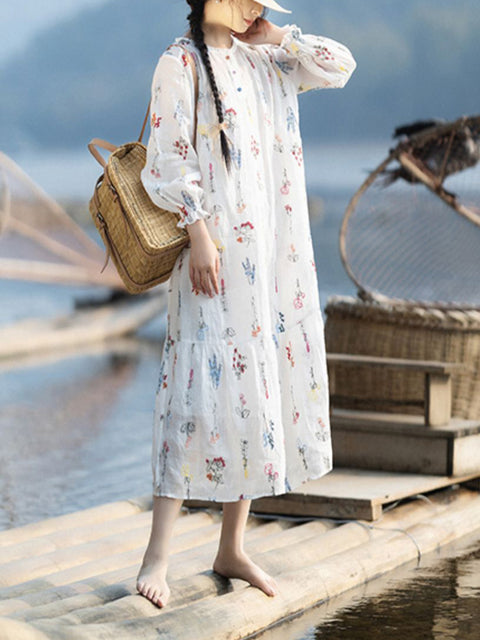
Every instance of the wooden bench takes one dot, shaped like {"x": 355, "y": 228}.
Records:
{"x": 438, "y": 384}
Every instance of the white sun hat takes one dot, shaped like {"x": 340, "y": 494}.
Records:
{"x": 271, "y": 4}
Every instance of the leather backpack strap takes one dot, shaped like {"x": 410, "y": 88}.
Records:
{"x": 195, "y": 80}
{"x": 103, "y": 144}
{"x": 140, "y": 137}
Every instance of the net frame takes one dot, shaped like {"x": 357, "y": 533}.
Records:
{"x": 404, "y": 154}
{"x": 74, "y": 260}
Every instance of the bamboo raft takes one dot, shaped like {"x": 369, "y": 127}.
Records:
{"x": 73, "y": 576}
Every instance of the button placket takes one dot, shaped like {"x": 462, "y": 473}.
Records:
{"x": 233, "y": 72}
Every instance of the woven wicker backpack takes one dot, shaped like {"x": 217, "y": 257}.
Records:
{"x": 142, "y": 239}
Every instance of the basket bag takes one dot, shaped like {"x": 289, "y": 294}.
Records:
{"x": 142, "y": 239}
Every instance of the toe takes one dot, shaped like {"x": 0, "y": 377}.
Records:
{"x": 270, "y": 585}
{"x": 149, "y": 592}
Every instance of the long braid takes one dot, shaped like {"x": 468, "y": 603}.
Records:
{"x": 195, "y": 18}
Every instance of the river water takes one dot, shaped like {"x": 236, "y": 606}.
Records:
{"x": 76, "y": 431}
{"x": 436, "y": 599}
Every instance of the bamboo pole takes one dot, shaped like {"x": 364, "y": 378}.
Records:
{"x": 187, "y": 589}
{"x": 312, "y": 542}
{"x": 37, "y": 566}
{"x": 53, "y": 246}
{"x": 431, "y": 182}
{"x": 241, "y": 613}
{"x": 41, "y": 592}
{"x": 6, "y": 201}
{"x": 189, "y": 558}
{"x": 90, "y": 245}
{"x": 103, "y": 531}
{"x": 317, "y": 533}
{"x": 57, "y": 273}
{"x": 92, "y": 515}
{"x": 15, "y": 630}
{"x": 115, "y": 584}
{"x": 101, "y": 565}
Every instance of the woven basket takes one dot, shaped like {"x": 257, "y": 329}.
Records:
{"x": 392, "y": 330}
{"x": 142, "y": 239}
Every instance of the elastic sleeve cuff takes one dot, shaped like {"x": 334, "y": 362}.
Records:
{"x": 292, "y": 34}
{"x": 190, "y": 215}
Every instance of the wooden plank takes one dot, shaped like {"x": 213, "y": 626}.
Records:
{"x": 438, "y": 399}
{"x": 390, "y": 451}
{"x": 349, "y": 493}
{"x": 401, "y": 443}
{"x": 474, "y": 484}
{"x": 466, "y": 453}
{"x": 428, "y": 366}
{"x": 311, "y": 504}
{"x": 413, "y": 425}
{"x": 437, "y": 389}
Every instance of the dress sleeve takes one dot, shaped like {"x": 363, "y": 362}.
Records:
{"x": 313, "y": 61}
{"x": 171, "y": 175}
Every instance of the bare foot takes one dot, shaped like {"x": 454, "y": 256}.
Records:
{"x": 240, "y": 566}
{"x": 151, "y": 581}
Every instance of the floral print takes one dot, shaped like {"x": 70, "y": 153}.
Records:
{"x": 214, "y": 471}
{"x": 242, "y": 403}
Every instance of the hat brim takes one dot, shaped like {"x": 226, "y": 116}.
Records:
{"x": 271, "y": 4}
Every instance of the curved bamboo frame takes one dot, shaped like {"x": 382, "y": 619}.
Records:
{"x": 5, "y": 203}
{"x": 402, "y": 153}
{"x": 82, "y": 267}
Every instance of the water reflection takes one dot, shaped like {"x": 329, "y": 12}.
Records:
{"x": 76, "y": 432}
{"x": 437, "y": 599}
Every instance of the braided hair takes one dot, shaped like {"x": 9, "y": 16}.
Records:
{"x": 195, "y": 18}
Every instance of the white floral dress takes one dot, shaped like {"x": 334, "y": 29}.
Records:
{"x": 242, "y": 405}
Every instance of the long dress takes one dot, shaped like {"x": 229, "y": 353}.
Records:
{"x": 242, "y": 404}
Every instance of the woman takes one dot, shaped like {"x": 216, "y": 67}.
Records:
{"x": 242, "y": 405}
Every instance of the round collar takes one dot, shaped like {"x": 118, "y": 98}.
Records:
{"x": 227, "y": 50}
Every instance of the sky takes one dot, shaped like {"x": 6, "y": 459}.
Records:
{"x": 35, "y": 15}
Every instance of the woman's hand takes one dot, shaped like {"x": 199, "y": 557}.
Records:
{"x": 204, "y": 259}
{"x": 262, "y": 31}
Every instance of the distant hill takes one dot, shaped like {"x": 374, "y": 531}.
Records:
{"x": 90, "y": 75}
{"x": 35, "y": 16}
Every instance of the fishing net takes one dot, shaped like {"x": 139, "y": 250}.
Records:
{"x": 39, "y": 241}
{"x": 411, "y": 233}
